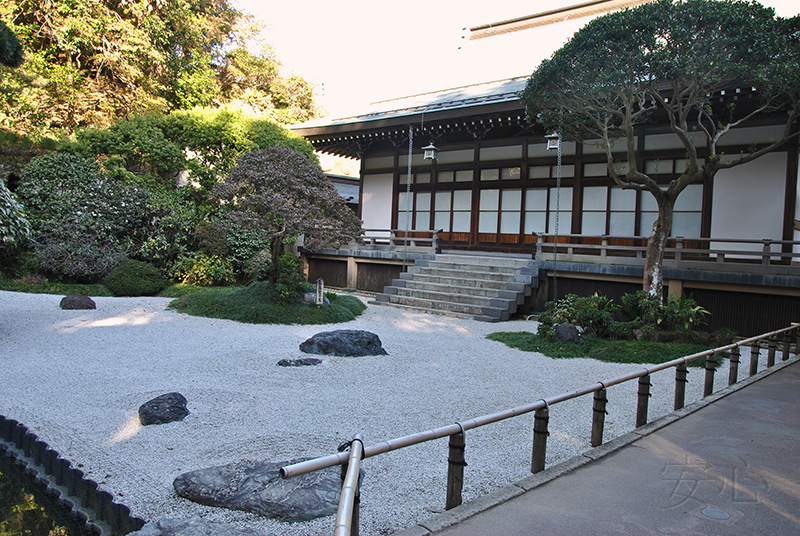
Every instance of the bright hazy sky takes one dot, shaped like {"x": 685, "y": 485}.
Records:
{"x": 361, "y": 51}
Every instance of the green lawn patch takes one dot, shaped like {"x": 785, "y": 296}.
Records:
{"x": 609, "y": 350}
{"x": 251, "y": 305}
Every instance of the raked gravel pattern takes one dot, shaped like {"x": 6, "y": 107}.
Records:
{"x": 77, "y": 379}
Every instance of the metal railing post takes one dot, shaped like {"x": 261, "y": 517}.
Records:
{"x": 541, "y": 419}
{"x": 455, "y": 470}
{"x": 733, "y": 373}
{"x": 348, "y": 512}
{"x": 598, "y": 416}
{"x": 755, "y": 353}
{"x": 766, "y": 252}
{"x": 680, "y": 386}
{"x": 711, "y": 367}
{"x": 644, "y": 400}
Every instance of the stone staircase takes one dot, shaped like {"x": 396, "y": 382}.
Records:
{"x": 480, "y": 287}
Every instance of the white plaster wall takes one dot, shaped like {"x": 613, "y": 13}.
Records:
{"x": 797, "y": 213}
{"x": 748, "y": 202}
{"x": 376, "y": 207}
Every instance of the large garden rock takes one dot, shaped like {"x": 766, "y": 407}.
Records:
{"x": 162, "y": 409}
{"x": 193, "y": 526}
{"x": 566, "y": 332}
{"x": 77, "y": 302}
{"x": 344, "y": 342}
{"x": 256, "y": 486}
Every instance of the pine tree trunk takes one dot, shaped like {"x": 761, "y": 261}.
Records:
{"x": 656, "y": 244}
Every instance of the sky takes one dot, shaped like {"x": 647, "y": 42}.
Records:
{"x": 360, "y": 51}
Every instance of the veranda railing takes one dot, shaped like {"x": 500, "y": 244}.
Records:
{"x": 347, "y": 515}
{"x": 781, "y": 256}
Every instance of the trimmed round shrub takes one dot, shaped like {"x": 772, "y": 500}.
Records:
{"x": 135, "y": 278}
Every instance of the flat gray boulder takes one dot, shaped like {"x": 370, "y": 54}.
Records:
{"x": 256, "y": 486}
{"x": 344, "y": 343}
{"x": 163, "y": 409}
{"x": 193, "y": 526}
{"x": 77, "y": 302}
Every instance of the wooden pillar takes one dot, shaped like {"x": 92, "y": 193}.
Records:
{"x": 772, "y": 345}
{"x": 755, "y": 352}
{"x": 455, "y": 470}
{"x": 541, "y": 419}
{"x": 680, "y": 386}
{"x": 733, "y": 373}
{"x": 675, "y": 286}
{"x": 711, "y": 367}
{"x": 644, "y": 400}
{"x": 598, "y": 417}
{"x": 352, "y": 272}
{"x": 787, "y": 342}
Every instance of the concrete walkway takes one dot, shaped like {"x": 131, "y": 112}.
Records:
{"x": 731, "y": 467}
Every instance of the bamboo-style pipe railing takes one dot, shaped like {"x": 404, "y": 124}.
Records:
{"x": 348, "y": 507}
{"x": 347, "y": 513}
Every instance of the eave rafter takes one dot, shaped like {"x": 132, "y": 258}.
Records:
{"x": 355, "y": 144}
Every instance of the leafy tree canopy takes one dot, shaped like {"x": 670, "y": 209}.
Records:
{"x": 153, "y": 148}
{"x": 677, "y": 63}
{"x": 89, "y": 62}
{"x": 284, "y": 194}
{"x": 10, "y": 48}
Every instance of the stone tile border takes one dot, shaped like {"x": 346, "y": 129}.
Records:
{"x": 89, "y": 505}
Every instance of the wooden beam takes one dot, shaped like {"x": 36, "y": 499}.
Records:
{"x": 586, "y": 9}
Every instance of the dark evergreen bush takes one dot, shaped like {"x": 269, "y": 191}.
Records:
{"x": 135, "y": 278}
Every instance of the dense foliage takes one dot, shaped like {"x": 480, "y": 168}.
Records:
{"x": 14, "y": 226}
{"x": 670, "y": 61}
{"x": 89, "y": 62}
{"x": 284, "y": 195}
{"x": 84, "y": 222}
{"x": 644, "y": 317}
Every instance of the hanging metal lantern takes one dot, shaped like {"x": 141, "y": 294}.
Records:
{"x": 553, "y": 141}
{"x": 429, "y": 152}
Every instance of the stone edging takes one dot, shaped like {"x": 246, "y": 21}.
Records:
{"x": 89, "y": 505}
{"x": 439, "y": 522}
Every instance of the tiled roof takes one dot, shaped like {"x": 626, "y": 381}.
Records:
{"x": 436, "y": 101}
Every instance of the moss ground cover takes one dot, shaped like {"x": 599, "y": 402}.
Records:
{"x": 609, "y": 350}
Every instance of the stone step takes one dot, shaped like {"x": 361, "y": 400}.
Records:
{"x": 466, "y": 274}
{"x": 512, "y": 262}
{"x": 479, "y": 287}
{"x": 456, "y": 298}
{"x": 431, "y": 311}
{"x": 425, "y": 286}
{"x": 515, "y": 286}
{"x": 498, "y": 313}
{"x": 476, "y": 268}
